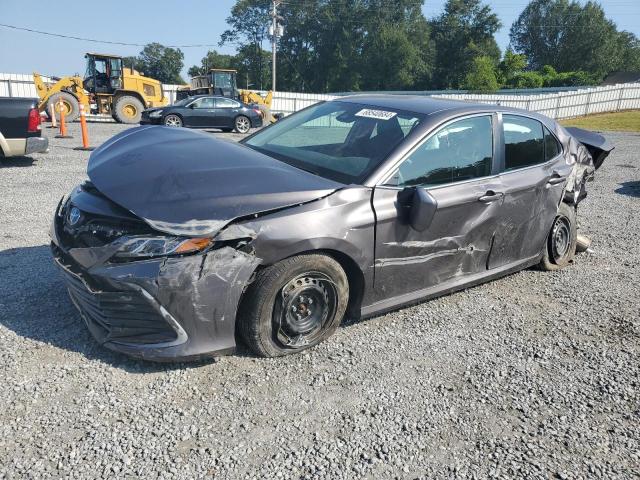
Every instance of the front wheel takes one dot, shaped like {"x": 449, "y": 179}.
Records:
{"x": 242, "y": 124}
{"x": 128, "y": 109}
{"x": 560, "y": 247}
{"x": 293, "y": 305}
{"x": 173, "y": 121}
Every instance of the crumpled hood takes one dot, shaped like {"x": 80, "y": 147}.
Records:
{"x": 190, "y": 183}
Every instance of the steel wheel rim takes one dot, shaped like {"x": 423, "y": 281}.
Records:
{"x": 130, "y": 110}
{"x": 560, "y": 239}
{"x": 172, "y": 121}
{"x": 242, "y": 124}
{"x": 303, "y": 308}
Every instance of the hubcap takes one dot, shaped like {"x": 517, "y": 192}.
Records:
{"x": 303, "y": 308}
{"x": 242, "y": 124}
{"x": 130, "y": 110}
{"x": 560, "y": 238}
{"x": 66, "y": 107}
{"x": 172, "y": 121}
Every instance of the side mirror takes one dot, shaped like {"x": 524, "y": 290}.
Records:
{"x": 421, "y": 206}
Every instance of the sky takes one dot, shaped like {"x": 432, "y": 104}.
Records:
{"x": 184, "y": 22}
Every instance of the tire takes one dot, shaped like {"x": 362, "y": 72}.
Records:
{"x": 70, "y": 102}
{"x": 560, "y": 247}
{"x": 172, "y": 120}
{"x": 278, "y": 316}
{"x": 242, "y": 124}
{"x": 128, "y": 109}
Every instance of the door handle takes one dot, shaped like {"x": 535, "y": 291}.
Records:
{"x": 491, "y": 197}
{"x": 556, "y": 179}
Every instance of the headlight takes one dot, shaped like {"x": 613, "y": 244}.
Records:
{"x": 155, "y": 114}
{"x": 147, "y": 247}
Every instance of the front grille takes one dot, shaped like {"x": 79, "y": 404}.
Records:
{"x": 124, "y": 316}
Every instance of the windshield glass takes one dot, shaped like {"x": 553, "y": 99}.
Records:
{"x": 222, "y": 79}
{"x": 341, "y": 141}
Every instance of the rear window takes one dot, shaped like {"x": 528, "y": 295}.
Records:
{"x": 342, "y": 141}
{"x": 552, "y": 147}
{"x": 523, "y": 142}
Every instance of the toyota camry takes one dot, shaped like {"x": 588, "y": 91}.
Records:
{"x": 179, "y": 244}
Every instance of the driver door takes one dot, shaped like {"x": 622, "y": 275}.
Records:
{"x": 456, "y": 167}
{"x": 202, "y": 113}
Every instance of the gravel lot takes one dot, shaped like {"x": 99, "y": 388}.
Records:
{"x": 535, "y": 375}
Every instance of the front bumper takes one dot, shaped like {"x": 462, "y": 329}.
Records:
{"x": 36, "y": 145}
{"x": 164, "y": 309}
{"x": 146, "y": 120}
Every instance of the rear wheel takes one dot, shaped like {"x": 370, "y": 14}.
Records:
{"x": 560, "y": 247}
{"x": 128, "y": 109}
{"x": 293, "y": 305}
{"x": 172, "y": 120}
{"x": 242, "y": 124}
{"x": 70, "y": 106}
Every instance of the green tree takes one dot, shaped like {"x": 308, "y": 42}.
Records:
{"x": 212, "y": 59}
{"x": 570, "y": 37}
{"x": 248, "y": 29}
{"x": 159, "y": 62}
{"x": 512, "y": 65}
{"x": 482, "y": 76}
{"x": 338, "y": 45}
{"x": 463, "y": 32}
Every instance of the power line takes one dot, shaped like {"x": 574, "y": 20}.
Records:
{"x": 93, "y": 40}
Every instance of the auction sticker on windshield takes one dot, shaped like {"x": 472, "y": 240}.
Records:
{"x": 377, "y": 114}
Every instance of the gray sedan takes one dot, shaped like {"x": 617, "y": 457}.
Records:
{"x": 180, "y": 244}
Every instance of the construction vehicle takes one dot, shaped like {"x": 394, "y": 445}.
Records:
{"x": 223, "y": 82}
{"x": 108, "y": 88}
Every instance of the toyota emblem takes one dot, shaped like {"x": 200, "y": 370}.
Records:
{"x": 74, "y": 216}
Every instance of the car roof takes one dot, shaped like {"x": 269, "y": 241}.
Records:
{"x": 211, "y": 95}
{"x": 418, "y": 103}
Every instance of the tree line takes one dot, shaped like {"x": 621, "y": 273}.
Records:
{"x": 365, "y": 45}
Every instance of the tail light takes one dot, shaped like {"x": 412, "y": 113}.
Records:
{"x": 34, "y": 121}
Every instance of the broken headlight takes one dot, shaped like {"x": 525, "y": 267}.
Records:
{"x": 148, "y": 247}
{"x": 155, "y": 114}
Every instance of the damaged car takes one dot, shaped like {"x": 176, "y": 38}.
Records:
{"x": 180, "y": 244}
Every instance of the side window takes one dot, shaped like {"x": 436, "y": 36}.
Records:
{"x": 462, "y": 150}
{"x": 226, "y": 103}
{"x": 552, "y": 147}
{"x": 523, "y": 142}
{"x": 206, "y": 102}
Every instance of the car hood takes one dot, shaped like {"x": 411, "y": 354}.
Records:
{"x": 190, "y": 183}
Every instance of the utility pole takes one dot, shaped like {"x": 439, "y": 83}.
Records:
{"x": 276, "y": 31}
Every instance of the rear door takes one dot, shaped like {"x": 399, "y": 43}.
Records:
{"x": 226, "y": 111}
{"x": 457, "y": 167}
{"x": 533, "y": 174}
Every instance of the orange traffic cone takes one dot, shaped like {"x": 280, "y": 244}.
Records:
{"x": 85, "y": 135}
{"x": 63, "y": 125}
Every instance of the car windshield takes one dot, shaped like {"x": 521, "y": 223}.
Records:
{"x": 342, "y": 141}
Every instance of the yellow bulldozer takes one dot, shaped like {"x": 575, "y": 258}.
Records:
{"x": 223, "y": 82}
{"x": 108, "y": 88}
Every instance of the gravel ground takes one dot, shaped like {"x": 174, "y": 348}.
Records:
{"x": 534, "y": 375}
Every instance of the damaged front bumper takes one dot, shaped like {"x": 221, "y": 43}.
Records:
{"x": 162, "y": 309}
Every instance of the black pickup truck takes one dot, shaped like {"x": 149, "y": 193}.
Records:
{"x": 20, "y": 127}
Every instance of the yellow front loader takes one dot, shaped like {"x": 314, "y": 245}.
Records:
{"x": 107, "y": 88}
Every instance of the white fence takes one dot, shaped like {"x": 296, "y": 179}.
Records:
{"x": 567, "y": 104}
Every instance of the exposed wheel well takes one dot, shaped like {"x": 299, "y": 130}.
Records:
{"x": 351, "y": 269}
